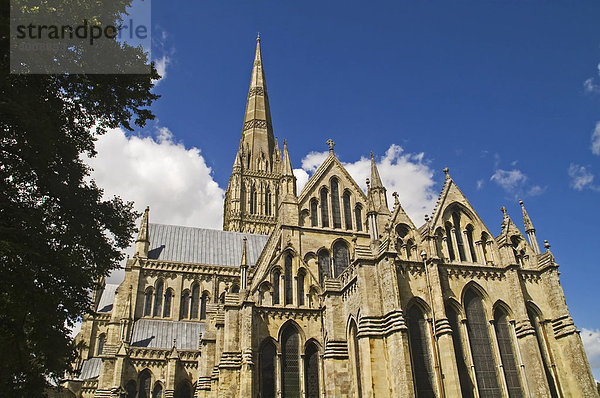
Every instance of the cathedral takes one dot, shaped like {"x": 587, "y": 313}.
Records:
{"x": 330, "y": 292}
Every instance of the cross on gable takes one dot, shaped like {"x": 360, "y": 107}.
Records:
{"x": 331, "y": 144}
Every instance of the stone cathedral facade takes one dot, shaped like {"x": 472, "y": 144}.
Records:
{"x": 331, "y": 292}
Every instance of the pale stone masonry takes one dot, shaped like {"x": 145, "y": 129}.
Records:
{"x": 329, "y": 292}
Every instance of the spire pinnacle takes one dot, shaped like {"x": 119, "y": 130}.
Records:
{"x": 526, "y": 219}
{"x": 447, "y": 173}
{"x": 286, "y": 165}
{"x": 375, "y": 179}
{"x": 244, "y": 261}
{"x": 142, "y": 242}
{"x": 143, "y": 234}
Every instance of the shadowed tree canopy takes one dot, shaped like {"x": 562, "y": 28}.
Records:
{"x": 57, "y": 233}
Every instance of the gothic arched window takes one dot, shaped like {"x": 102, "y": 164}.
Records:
{"x": 507, "y": 353}
{"x": 341, "y": 257}
{"x": 420, "y": 353}
{"x": 267, "y": 365}
{"x": 314, "y": 217}
{"x": 267, "y": 202}
{"x": 471, "y": 242}
{"x": 185, "y": 305}
{"x": 253, "y": 200}
{"x": 484, "y": 248}
{"x": 459, "y": 238}
{"x": 145, "y": 380}
{"x": 158, "y": 297}
{"x": 347, "y": 209}
{"x": 168, "y": 303}
{"x": 324, "y": 208}
{"x": 481, "y": 346}
{"x": 276, "y": 276}
{"x": 466, "y": 385}
{"x": 335, "y": 204}
{"x": 148, "y": 301}
{"x": 449, "y": 243}
{"x": 355, "y": 356}
{"x": 311, "y": 370}
{"x": 287, "y": 278}
{"x": 300, "y": 288}
{"x": 324, "y": 265}
{"x": 203, "y": 302}
{"x": 195, "y": 301}
{"x": 358, "y": 217}
{"x": 410, "y": 244}
{"x": 157, "y": 392}
{"x": 290, "y": 366}
{"x": 101, "y": 341}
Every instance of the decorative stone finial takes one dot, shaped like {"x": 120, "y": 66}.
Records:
{"x": 395, "y": 195}
{"x": 368, "y": 183}
{"x": 546, "y": 245}
{"x": 447, "y": 172}
{"x": 504, "y": 213}
{"x": 257, "y": 36}
{"x": 331, "y": 144}
{"x": 521, "y": 202}
{"x": 427, "y": 217}
{"x": 372, "y": 157}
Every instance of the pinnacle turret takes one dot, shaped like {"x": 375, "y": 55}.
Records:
{"x": 529, "y": 229}
{"x": 142, "y": 243}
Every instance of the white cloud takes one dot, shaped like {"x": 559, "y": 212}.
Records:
{"x": 581, "y": 178}
{"x": 406, "y": 173}
{"x": 509, "y": 180}
{"x": 173, "y": 180}
{"x": 313, "y": 160}
{"x": 596, "y": 139}
{"x": 301, "y": 179}
{"x": 591, "y": 343}
{"x": 161, "y": 67}
{"x": 590, "y": 87}
{"x": 479, "y": 184}
{"x": 536, "y": 190}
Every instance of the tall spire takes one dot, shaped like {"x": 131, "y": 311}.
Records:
{"x": 252, "y": 197}
{"x": 529, "y": 229}
{"x": 257, "y": 141}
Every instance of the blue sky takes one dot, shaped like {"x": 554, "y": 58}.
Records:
{"x": 504, "y": 93}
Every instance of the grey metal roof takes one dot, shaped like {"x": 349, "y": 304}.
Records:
{"x": 108, "y": 298}
{"x": 90, "y": 368}
{"x": 202, "y": 246}
{"x": 156, "y": 333}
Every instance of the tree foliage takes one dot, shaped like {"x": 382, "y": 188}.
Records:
{"x": 57, "y": 234}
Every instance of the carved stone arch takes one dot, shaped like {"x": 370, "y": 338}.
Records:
{"x": 294, "y": 324}
{"x": 145, "y": 379}
{"x": 341, "y": 255}
{"x": 421, "y": 303}
{"x": 403, "y": 230}
{"x": 310, "y": 256}
{"x": 461, "y": 208}
{"x": 487, "y": 301}
{"x": 533, "y": 307}
{"x": 456, "y": 306}
{"x": 501, "y": 305}
{"x": 314, "y": 341}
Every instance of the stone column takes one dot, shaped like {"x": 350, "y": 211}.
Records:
{"x": 467, "y": 247}
{"x": 455, "y": 244}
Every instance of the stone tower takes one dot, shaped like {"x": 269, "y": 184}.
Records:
{"x": 252, "y": 196}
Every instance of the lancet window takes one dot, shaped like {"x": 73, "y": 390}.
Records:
{"x": 311, "y": 370}
{"x": 504, "y": 335}
{"x": 335, "y": 204}
{"x": 324, "y": 208}
{"x": 168, "y": 303}
{"x": 158, "y": 298}
{"x": 347, "y": 209}
{"x": 534, "y": 318}
{"x": 195, "y": 301}
{"x": 420, "y": 352}
{"x": 276, "y": 275}
{"x": 481, "y": 346}
{"x": 203, "y": 301}
{"x": 324, "y": 265}
{"x": 101, "y": 341}
{"x": 145, "y": 381}
{"x": 469, "y": 233}
{"x": 358, "y": 216}
{"x": 287, "y": 277}
{"x": 355, "y": 356}
{"x": 300, "y": 288}
{"x": 341, "y": 257}
{"x": 148, "y": 301}
{"x": 267, "y": 365}
{"x": 314, "y": 217}
{"x": 267, "y": 202}
{"x": 290, "y": 367}
{"x": 466, "y": 385}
